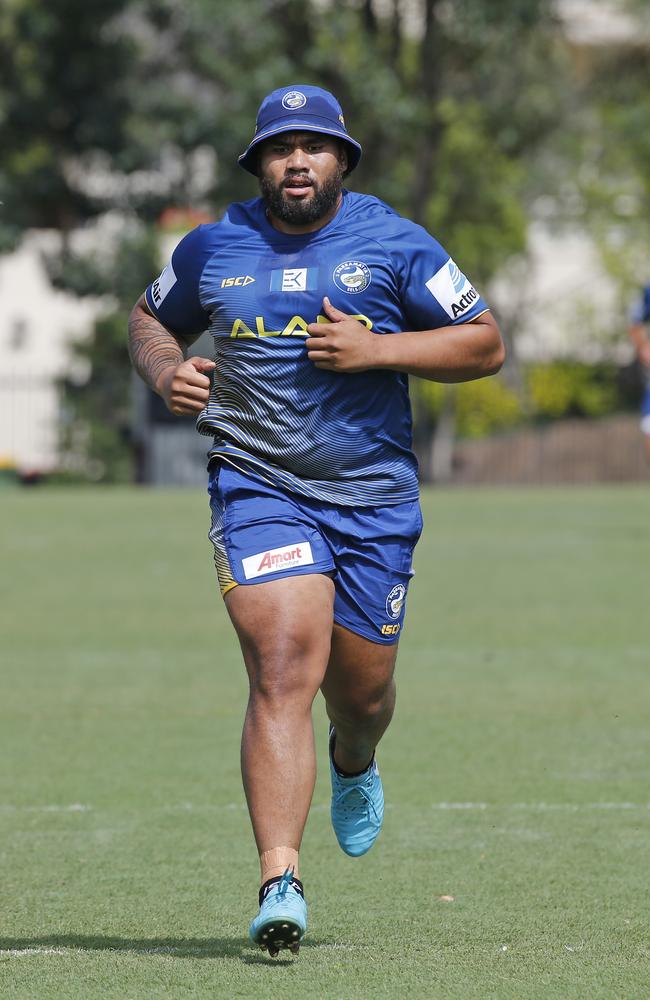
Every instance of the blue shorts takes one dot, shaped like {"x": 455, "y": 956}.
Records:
{"x": 261, "y": 533}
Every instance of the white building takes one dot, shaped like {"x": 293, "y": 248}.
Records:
{"x": 38, "y": 324}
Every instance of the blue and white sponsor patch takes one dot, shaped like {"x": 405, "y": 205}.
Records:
{"x": 163, "y": 285}
{"x": 294, "y": 279}
{"x": 452, "y": 290}
{"x": 273, "y": 560}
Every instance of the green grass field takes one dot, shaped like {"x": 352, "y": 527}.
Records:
{"x": 516, "y": 770}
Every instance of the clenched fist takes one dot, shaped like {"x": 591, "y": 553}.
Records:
{"x": 342, "y": 345}
{"x": 186, "y": 387}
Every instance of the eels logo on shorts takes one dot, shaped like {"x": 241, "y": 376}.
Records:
{"x": 395, "y": 601}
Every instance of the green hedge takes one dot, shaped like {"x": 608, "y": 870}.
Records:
{"x": 572, "y": 388}
{"x": 550, "y": 391}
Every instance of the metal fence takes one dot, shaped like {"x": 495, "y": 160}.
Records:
{"x": 30, "y": 420}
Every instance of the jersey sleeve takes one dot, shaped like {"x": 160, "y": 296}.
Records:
{"x": 173, "y": 297}
{"x": 433, "y": 289}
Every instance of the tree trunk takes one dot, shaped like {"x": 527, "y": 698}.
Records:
{"x": 431, "y": 55}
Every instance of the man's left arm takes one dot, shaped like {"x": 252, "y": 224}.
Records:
{"x": 457, "y": 353}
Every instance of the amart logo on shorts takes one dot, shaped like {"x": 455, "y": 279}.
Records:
{"x": 274, "y": 560}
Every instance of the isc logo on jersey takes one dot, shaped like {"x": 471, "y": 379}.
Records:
{"x": 452, "y": 290}
{"x": 239, "y": 282}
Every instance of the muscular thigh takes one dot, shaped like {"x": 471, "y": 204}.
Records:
{"x": 285, "y": 629}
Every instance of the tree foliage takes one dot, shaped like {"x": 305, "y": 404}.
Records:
{"x": 98, "y": 440}
{"x": 614, "y": 178}
{"x": 126, "y": 92}
{"x": 551, "y": 390}
{"x": 132, "y": 106}
{"x": 62, "y": 92}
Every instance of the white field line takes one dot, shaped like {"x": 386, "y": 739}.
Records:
{"x": 543, "y": 806}
{"x": 75, "y": 807}
{"x": 445, "y": 806}
{"x": 583, "y": 806}
{"x": 162, "y": 950}
{"x": 319, "y": 806}
{"x": 74, "y": 950}
{"x": 26, "y": 952}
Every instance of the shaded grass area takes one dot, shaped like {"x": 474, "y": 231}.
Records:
{"x": 516, "y": 770}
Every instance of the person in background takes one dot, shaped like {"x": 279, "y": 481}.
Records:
{"x": 639, "y": 334}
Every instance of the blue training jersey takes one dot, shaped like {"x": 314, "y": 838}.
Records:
{"x": 338, "y": 437}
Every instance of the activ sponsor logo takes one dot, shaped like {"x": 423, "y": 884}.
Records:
{"x": 163, "y": 284}
{"x": 458, "y": 279}
{"x": 239, "y": 282}
{"x": 352, "y": 276}
{"x": 274, "y": 560}
{"x": 452, "y": 290}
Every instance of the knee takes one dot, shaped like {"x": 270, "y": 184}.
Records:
{"x": 283, "y": 675}
{"x": 366, "y": 707}
{"x": 282, "y": 686}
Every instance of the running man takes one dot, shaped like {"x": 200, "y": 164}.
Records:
{"x": 321, "y": 302}
{"x": 638, "y": 333}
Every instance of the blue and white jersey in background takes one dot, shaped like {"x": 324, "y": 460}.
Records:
{"x": 640, "y": 312}
{"x": 342, "y": 438}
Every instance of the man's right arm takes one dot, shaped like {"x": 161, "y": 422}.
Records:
{"x": 159, "y": 358}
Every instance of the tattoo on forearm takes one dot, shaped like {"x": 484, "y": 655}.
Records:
{"x": 152, "y": 348}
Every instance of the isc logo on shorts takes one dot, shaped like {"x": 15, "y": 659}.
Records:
{"x": 274, "y": 560}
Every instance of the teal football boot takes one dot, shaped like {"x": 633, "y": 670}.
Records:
{"x": 282, "y": 920}
{"x": 357, "y": 806}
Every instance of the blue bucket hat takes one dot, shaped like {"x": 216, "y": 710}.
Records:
{"x": 299, "y": 108}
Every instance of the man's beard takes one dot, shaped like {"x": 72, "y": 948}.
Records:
{"x": 301, "y": 213}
